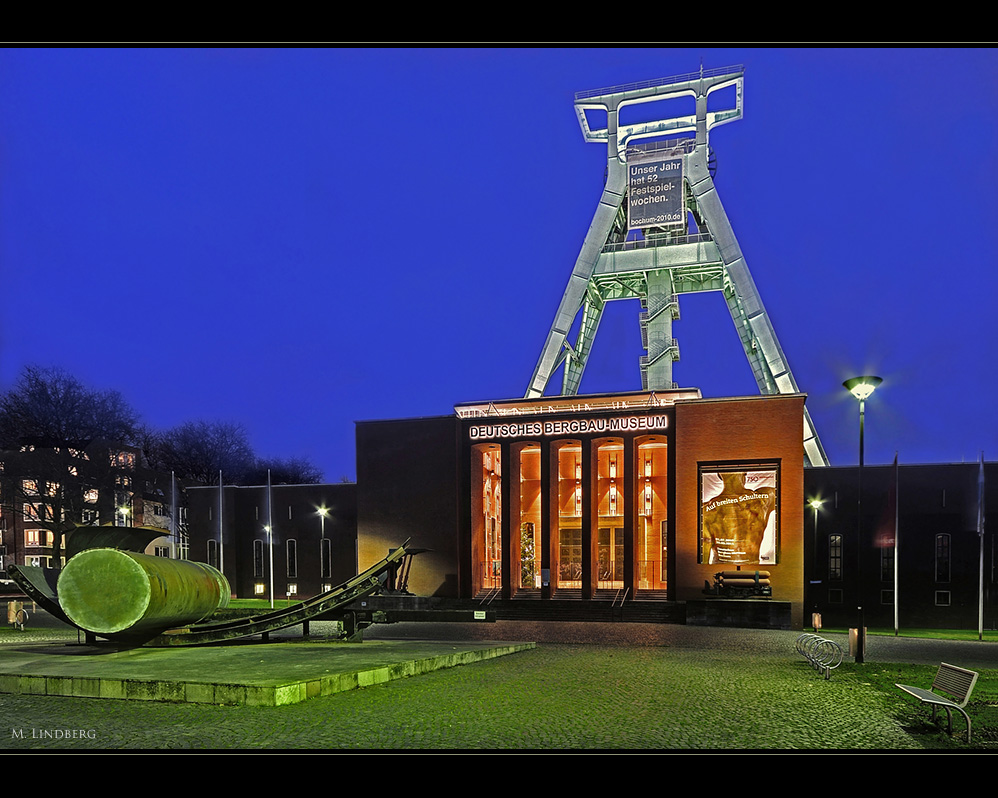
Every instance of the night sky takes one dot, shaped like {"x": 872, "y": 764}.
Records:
{"x": 299, "y": 239}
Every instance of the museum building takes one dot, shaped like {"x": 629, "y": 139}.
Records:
{"x": 638, "y": 496}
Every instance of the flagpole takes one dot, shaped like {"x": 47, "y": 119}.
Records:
{"x": 980, "y": 536}
{"x": 270, "y": 525}
{"x": 897, "y": 546}
{"x": 174, "y": 537}
{"x": 221, "y": 548}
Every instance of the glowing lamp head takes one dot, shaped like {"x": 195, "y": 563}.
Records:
{"x": 862, "y": 387}
{"x": 816, "y": 503}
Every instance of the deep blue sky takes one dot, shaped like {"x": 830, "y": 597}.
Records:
{"x": 298, "y": 239}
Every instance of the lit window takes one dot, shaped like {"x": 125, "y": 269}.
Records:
{"x": 292, "y": 589}
{"x": 123, "y": 459}
{"x": 259, "y": 588}
{"x": 41, "y": 537}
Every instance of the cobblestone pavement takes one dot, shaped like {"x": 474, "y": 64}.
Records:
{"x": 599, "y": 687}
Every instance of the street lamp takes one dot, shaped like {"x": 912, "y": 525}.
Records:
{"x": 270, "y": 545}
{"x": 861, "y": 388}
{"x": 815, "y": 504}
{"x": 323, "y": 573}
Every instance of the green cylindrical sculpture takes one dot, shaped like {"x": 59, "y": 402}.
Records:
{"x": 115, "y": 592}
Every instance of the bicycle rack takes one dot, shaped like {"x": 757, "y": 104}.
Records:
{"x": 824, "y": 655}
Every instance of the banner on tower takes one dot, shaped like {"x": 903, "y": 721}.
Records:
{"x": 655, "y": 192}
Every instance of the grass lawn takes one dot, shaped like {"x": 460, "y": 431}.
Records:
{"x": 990, "y": 635}
{"x": 916, "y": 718}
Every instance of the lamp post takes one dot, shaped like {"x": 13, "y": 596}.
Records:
{"x": 270, "y": 546}
{"x": 814, "y": 504}
{"x": 323, "y": 514}
{"x": 270, "y": 534}
{"x": 861, "y": 388}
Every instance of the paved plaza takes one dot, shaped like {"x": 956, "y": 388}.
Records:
{"x": 586, "y": 686}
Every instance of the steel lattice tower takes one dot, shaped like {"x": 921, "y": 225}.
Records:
{"x": 669, "y": 260}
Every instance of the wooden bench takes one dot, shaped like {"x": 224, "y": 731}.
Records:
{"x": 956, "y": 682}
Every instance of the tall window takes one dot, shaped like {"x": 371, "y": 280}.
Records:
{"x": 257, "y": 559}
{"x": 292, "y": 548}
{"x": 835, "y": 557}
{"x": 570, "y": 514}
{"x": 942, "y": 557}
{"x": 325, "y": 559}
{"x": 530, "y": 516}
{"x": 887, "y": 564}
{"x": 486, "y": 503}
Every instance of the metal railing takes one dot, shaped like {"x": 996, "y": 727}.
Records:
{"x": 491, "y": 596}
{"x": 645, "y": 243}
{"x": 651, "y": 84}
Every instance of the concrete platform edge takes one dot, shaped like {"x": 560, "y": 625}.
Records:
{"x": 234, "y": 694}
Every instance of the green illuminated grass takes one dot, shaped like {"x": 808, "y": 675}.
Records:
{"x": 990, "y": 635}
{"x": 916, "y": 718}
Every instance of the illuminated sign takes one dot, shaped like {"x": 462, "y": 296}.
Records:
{"x": 571, "y": 426}
{"x": 655, "y": 192}
{"x": 574, "y": 404}
{"x": 739, "y": 511}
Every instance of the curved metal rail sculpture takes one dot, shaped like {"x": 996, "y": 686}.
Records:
{"x": 33, "y": 582}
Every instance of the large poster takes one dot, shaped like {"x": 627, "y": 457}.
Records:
{"x": 739, "y": 513}
{"x": 655, "y": 192}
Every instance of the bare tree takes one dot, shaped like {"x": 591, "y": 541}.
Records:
{"x": 198, "y": 450}
{"x": 48, "y": 407}
{"x": 285, "y": 471}
{"x": 59, "y": 443}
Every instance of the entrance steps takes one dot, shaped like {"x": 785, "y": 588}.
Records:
{"x": 529, "y": 606}
{"x": 568, "y": 605}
